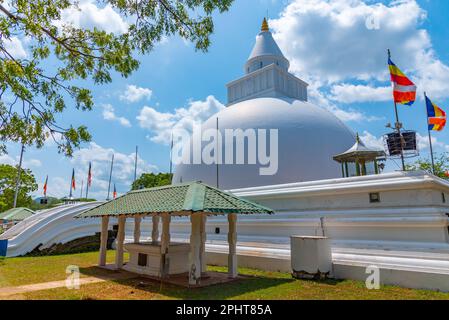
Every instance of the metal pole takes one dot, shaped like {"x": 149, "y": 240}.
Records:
{"x": 71, "y": 185}
{"x": 81, "y": 190}
{"x": 431, "y": 153}
{"x": 110, "y": 177}
{"x": 87, "y": 184}
{"x": 217, "y": 155}
{"x": 19, "y": 172}
{"x": 135, "y": 164}
{"x": 398, "y": 128}
{"x": 430, "y": 136}
{"x": 171, "y": 159}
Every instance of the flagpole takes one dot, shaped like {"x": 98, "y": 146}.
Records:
{"x": 71, "y": 185}
{"x": 398, "y": 125}
{"x": 398, "y": 128}
{"x": 430, "y": 136}
{"x": 431, "y": 152}
{"x": 88, "y": 177}
{"x": 110, "y": 177}
{"x": 81, "y": 189}
{"x": 217, "y": 164}
{"x": 171, "y": 158}
{"x": 135, "y": 164}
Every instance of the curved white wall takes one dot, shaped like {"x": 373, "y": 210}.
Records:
{"x": 50, "y": 227}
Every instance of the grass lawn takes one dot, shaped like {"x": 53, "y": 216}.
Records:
{"x": 260, "y": 284}
{"x": 28, "y": 270}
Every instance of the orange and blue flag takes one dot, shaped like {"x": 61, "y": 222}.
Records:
{"x": 436, "y": 116}
{"x": 404, "y": 90}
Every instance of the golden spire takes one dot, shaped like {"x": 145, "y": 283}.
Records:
{"x": 265, "y": 25}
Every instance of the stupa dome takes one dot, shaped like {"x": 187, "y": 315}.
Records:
{"x": 269, "y": 97}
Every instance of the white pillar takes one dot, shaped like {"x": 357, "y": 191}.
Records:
{"x": 155, "y": 231}
{"x": 165, "y": 243}
{"x": 103, "y": 240}
{"x": 232, "y": 240}
{"x": 203, "y": 235}
{"x": 195, "y": 249}
{"x": 120, "y": 241}
{"x": 137, "y": 222}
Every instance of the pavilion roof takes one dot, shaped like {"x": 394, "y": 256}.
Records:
{"x": 16, "y": 214}
{"x": 359, "y": 151}
{"x": 180, "y": 199}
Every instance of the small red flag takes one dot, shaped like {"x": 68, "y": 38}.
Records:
{"x": 45, "y": 186}
{"x": 114, "y": 194}
{"x": 89, "y": 175}
{"x": 73, "y": 180}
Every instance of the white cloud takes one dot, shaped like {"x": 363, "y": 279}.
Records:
{"x": 26, "y": 163}
{"x": 331, "y": 44}
{"x": 88, "y": 15}
{"x": 109, "y": 114}
{"x": 438, "y": 146}
{"x": 7, "y": 159}
{"x": 349, "y": 93}
{"x": 15, "y": 47}
{"x": 371, "y": 141}
{"x": 135, "y": 94}
{"x": 162, "y": 124}
{"x": 330, "y": 38}
{"x": 123, "y": 172}
{"x": 319, "y": 98}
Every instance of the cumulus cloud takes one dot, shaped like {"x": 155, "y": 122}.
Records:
{"x": 15, "y": 47}
{"x": 135, "y": 94}
{"x": 349, "y": 93}
{"x": 371, "y": 141}
{"x": 100, "y": 157}
{"x": 333, "y": 43}
{"x": 26, "y": 163}
{"x": 162, "y": 124}
{"x": 375, "y": 142}
{"x": 109, "y": 114}
{"x": 88, "y": 15}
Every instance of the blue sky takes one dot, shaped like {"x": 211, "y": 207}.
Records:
{"x": 330, "y": 45}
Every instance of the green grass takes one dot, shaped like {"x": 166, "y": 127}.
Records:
{"x": 258, "y": 285}
{"x": 28, "y": 270}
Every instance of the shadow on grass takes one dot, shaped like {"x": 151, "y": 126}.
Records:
{"x": 222, "y": 291}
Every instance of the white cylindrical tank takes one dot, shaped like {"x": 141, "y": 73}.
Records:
{"x": 311, "y": 257}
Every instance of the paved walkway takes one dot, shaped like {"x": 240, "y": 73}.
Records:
{"x": 9, "y": 291}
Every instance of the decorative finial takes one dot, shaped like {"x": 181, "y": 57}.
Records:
{"x": 265, "y": 26}
{"x": 357, "y": 138}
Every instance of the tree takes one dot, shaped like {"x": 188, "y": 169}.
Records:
{"x": 38, "y": 94}
{"x": 441, "y": 165}
{"x": 28, "y": 184}
{"x": 151, "y": 180}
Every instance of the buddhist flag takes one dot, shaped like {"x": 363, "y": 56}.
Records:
{"x": 404, "y": 90}
{"x": 89, "y": 175}
{"x": 436, "y": 116}
{"x": 45, "y": 186}
{"x": 73, "y": 180}
{"x": 114, "y": 194}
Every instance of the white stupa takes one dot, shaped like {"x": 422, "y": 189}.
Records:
{"x": 269, "y": 97}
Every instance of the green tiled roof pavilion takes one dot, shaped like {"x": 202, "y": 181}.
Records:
{"x": 181, "y": 199}
{"x": 16, "y": 214}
